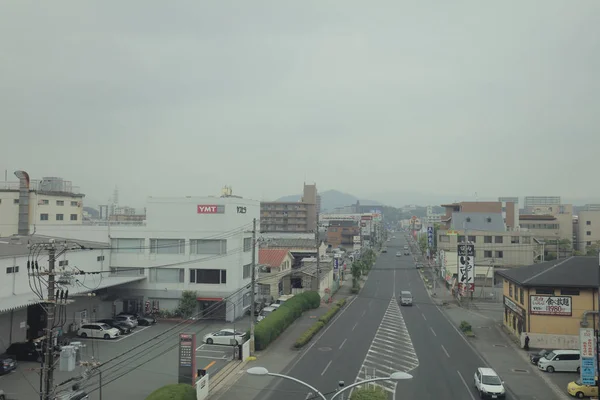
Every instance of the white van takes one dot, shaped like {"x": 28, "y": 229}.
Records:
{"x": 284, "y": 298}
{"x": 264, "y": 312}
{"x": 561, "y": 361}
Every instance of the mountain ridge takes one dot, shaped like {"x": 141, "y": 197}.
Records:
{"x": 332, "y": 199}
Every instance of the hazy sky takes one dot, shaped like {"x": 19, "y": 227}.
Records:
{"x": 370, "y": 98}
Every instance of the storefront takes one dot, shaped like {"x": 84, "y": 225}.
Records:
{"x": 514, "y": 316}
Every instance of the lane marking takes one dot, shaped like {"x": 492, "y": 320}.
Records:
{"x": 355, "y": 325}
{"x": 343, "y": 343}
{"x": 326, "y": 367}
{"x": 432, "y": 331}
{"x": 465, "y": 383}
{"x": 445, "y": 351}
{"x": 425, "y": 318}
{"x": 210, "y": 365}
{"x": 363, "y": 313}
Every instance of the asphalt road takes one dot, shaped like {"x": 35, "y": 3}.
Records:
{"x": 444, "y": 364}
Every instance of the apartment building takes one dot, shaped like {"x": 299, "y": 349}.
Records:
{"x": 588, "y": 228}
{"x": 277, "y": 216}
{"x": 50, "y": 200}
{"x": 552, "y": 224}
{"x": 202, "y": 244}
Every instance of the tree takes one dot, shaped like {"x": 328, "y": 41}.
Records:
{"x": 423, "y": 243}
{"x": 188, "y": 303}
{"x": 179, "y": 391}
{"x": 369, "y": 393}
{"x": 593, "y": 249}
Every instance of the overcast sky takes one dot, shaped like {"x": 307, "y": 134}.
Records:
{"x": 370, "y": 98}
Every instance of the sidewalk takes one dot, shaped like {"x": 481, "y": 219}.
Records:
{"x": 278, "y": 357}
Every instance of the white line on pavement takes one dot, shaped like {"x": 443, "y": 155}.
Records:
{"x": 465, "y": 383}
{"x": 326, "y": 367}
{"x": 432, "y": 331}
{"x": 445, "y": 351}
{"x": 343, "y": 343}
{"x": 355, "y": 325}
{"x": 425, "y": 318}
{"x": 363, "y": 313}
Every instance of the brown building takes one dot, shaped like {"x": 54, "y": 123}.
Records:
{"x": 289, "y": 216}
{"x": 509, "y": 211}
{"x": 342, "y": 232}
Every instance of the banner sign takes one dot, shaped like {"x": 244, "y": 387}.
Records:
{"x": 430, "y": 236}
{"x": 588, "y": 359}
{"x": 550, "y": 305}
{"x": 466, "y": 267}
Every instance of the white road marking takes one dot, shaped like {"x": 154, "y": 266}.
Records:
{"x": 391, "y": 349}
{"x": 355, "y": 325}
{"x": 343, "y": 343}
{"x": 465, "y": 383}
{"x": 363, "y": 313}
{"x": 432, "y": 331}
{"x": 424, "y": 317}
{"x": 445, "y": 351}
{"x": 326, "y": 367}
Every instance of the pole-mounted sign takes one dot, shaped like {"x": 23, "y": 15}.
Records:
{"x": 187, "y": 358}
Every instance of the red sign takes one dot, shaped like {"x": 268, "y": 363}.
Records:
{"x": 471, "y": 287}
{"x": 207, "y": 209}
{"x": 366, "y": 217}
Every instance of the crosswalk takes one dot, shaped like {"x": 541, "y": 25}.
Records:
{"x": 391, "y": 350}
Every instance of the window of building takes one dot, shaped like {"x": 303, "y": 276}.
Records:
{"x": 128, "y": 245}
{"x": 510, "y": 289}
{"x": 569, "y": 292}
{"x": 43, "y": 217}
{"x": 248, "y": 244}
{"x": 525, "y": 240}
{"x": 208, "y": 276}
{"x": 44, "y": 202}
{"x": 498, "y": 239}
{"x": 73, "y": 217}
{"x": 126, "y": 271}
{"x": 549, "y": 291}
{"x": 499, "y": 254}
{"x": 521, "y": 296}
{"x": 167, "y": 275}
{"x": 167, "y": 246}
{"x": 589, "y": 233}
{"x": 208, "y": 246}
{"x": 487, "y": 239}
{"x": 444, "y": 239}
{"x": 100, "y": 258}
{"x": 63, "y": 263}
{"x": 473, "y": 239}
{"x": 588, "y": 222}
{"x": 247, "y": 271}
{"x": 588, "y": 243}
{"x": 12, "y": 270}
{"x": 15, "y": 201}
{"x": 60, "y": 217}
{"x": 460, "y": 239}
{"x": 514, "y": 240}
{"x": 74, "y": 204}
{"x": 487, "y": 254}
{"x": 60, "y": 202}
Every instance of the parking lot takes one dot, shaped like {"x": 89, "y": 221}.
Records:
{"x": 562, "y": 379}
{"x": 137, "y": 372}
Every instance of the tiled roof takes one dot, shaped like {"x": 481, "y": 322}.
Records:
{"x": 580, "y": 272}
{"x": 272, "y": 257}
{"x": 292, "y": 243}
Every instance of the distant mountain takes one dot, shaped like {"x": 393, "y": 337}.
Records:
{"x": 331, "y": 199}
{"x": 92, "y": 211}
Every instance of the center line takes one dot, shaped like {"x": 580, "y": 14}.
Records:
{"x": 344, "y": 342}
{"x": 355, "y": 325}
{"x": 327, "y": 366}
{"x": 432, "y": 331}
{"x": 424, "y": 317}
{"x": 445, "y": 351}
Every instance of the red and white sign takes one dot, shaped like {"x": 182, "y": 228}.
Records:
{"x": 208, "y": 209}
{"x": 550, "y": 305}
{"x": 586, "y": 341}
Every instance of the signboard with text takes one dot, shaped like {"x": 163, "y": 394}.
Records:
{"x": 430, "y": 236}
{"x": 187, "y": 358}
{"x": 466, "y": 267}
{"x": 210, "y": 209}
{"x": 550, "y": 305}
{"x": 588, "y": 359}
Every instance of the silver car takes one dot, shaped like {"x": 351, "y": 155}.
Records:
{"x": 406, "y": 298}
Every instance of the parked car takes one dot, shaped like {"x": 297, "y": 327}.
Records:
{"x": 560, "y": 361}
{"x": 488, "y": 384}
{"x": 7, "y": 365}
{"x": 535, "y": 357}
{"x": 123, "y": 327}
{"x": 579, "y": 390}
{"x": 224, "y": 336}
{"x": 128, "y": 319}
{"x": 98, "y": 330}
{"x": 146, "y": 320}
{"x": 265, "y": 311}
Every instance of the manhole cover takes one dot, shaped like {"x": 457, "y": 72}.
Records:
{"x": 499, "y": 345}
{"x": 521, "y": 371}
{"x": 324, "y": 348}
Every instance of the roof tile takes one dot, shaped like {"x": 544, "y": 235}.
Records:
{"x": 272, "y": 257}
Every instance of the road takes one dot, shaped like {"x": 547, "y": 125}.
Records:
{"x": 373, "y": 337}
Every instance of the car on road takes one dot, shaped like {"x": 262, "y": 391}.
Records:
{"x": 384, "y": 250}
{"x": 398, "y": 254}
{"x": 98, "y": 330}
{"x": 419, "y": 265}
{"x": 488, "y": 384}
{"x": 227, "y": 337}
{"x": 579, "y": 390}
{"x": 406, "y": 253}
{"x": 535, "y": 357}
{"x": 124, "y": 328}
{"x": 406, "y": 298}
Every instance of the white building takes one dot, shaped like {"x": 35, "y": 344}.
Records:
{"x": 49, "y": 201}
{"x": 203, "y": 244}
{"x": 22, "y": 317}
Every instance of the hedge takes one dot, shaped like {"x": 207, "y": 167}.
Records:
{"x": 179, "y": 391}
{"x": 276, "y": 322}
{"x": 317, "y": 326}
{"x": 369, "y": 393}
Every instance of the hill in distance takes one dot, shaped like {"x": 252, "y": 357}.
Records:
{"x": 331, "y": 199}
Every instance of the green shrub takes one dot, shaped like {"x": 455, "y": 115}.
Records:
{"x": 369, "y": 393}
{"x": 276, "y": 322}
{"x": 309, "y": 334}
{"x": 341, "y": 302}
{"x": 325, "y": 318}
{"x": 180, "y": 391}
{"x": 465, "y": 326}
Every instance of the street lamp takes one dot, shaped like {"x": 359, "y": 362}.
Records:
{"x": 396, "y": 376}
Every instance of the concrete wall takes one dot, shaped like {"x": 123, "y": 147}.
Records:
{"x": 548, "y": 341}
{"x": 13, "y": 328}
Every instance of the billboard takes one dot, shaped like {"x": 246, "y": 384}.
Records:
{"x": 466, "y": 267}
{"x": 187, "y": 358}
{"x": 210, "y": 209}
{"x": 550, "y": 305}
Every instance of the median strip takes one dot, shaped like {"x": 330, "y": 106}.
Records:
{"x": 319, "y": 324}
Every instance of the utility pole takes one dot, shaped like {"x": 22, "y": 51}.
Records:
{"x": 253, "y": 284}
{"x": 318, "y": 255}
{"x": 48, "y": 369}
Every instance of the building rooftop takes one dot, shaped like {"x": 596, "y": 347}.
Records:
{"x": 292, "y": 243}
{"x": 580, "y": 272}
{"x": 478, "y": 221}
{"x": 272, "y": 257}
{"x": 18, "y": 246}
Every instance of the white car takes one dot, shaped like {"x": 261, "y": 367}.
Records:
{"x": 488, "y": 384}
{"x": 227, "y": 337}
{"x": 98, "y": 330}
{"x": 265, "y": 311}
